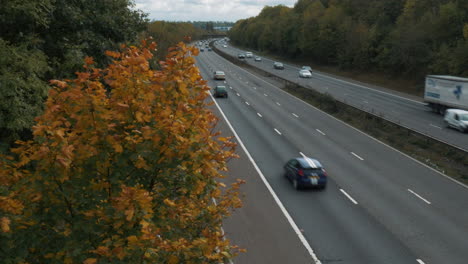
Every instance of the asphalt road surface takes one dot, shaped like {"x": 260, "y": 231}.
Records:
{"x": 380, "y": 206}
{"x": 400, "y": 108}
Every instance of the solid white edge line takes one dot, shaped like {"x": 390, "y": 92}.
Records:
{"x": 270, "y": 189}
{"x": 355, "y": 155}
{"x": 295, "y": 115}
{"x": 420, "y": 261}
{"x": 222, "y": 231}
{"x": 419, "y": 196}
{"x": 259, "y": 114}
{"x": 348, "y": 125}
{"x": 318, "y": 130}
{"x": 277, "y": 131}
{"x": 349, "y": 197}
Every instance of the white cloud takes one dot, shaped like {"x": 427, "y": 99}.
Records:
{"x": 205, "y": 10}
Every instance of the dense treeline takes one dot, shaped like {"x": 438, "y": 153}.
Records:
{"x": 169, "y": 34}
{"x": 399, "y": 37}
{"x": 211, "y": 24}
{"x": 45, "y": 39}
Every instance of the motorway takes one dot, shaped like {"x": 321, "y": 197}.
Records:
{"x": 380, "y": 206}
{"x": 397, "y": 107}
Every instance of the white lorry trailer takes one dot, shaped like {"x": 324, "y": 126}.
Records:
{"x": 443, "y": 91}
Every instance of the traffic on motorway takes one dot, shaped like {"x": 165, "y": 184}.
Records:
{"x": 379, "y": 205}
{"x": 406, "y": 110}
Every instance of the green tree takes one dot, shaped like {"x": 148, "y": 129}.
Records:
{"x": 22, "y": 90}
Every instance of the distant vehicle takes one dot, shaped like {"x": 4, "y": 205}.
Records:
{"x": 457, "y": 119}
{"x": 307, "y": 68}
{"x": 278, "y": 65}
{"x": 248, "y": 54}
{"x": 219, "y": 75}
{"x": 443, "y": 91}
{"x": 209, "y": 49}
{"x": 220, "y": 91}
{"x": 305, "y": 74}
{"x": 241, "y": 56}
{"x": 306, "y": 172}
{"x": 202, "y": 50}
{"x": 257, "y": 58}
{"x": 224, "y": 46}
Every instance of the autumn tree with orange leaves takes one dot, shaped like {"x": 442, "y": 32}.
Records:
{"x": 124, "y": 167}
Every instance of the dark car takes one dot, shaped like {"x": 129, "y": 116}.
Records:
{"x": 220, "y": 91}
{"x": 202, "y": 50}
{"x": 306, "y": 172}
{"x": 209, "y": 49}
{"x": 241, "y": 56}
{"x": 278, "y": 65}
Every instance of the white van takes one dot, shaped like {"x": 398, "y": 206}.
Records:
{"x": 248, "y": 54}
{"x": 456, "y": 118}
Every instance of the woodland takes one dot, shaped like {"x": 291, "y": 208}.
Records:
{"x": 400, "y": 38}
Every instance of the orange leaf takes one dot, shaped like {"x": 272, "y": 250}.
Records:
{"x": 5, "y": 224}
{"x": 90, "y": 261}
{"x": 89, "y": 60}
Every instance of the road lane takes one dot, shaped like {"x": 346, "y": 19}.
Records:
{"x": 319, "y": 214}
{"x": 378, "y": 185}
{"x": 400, "y": 108}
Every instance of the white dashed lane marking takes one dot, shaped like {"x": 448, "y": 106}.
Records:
{"x": 349, "y": 196}
{"x": 277, "y": 131}
{"x": 355, "y": 155}
{"x": 295, "y": 115}
{"x": 259, "y": 114}
{"x": 318, "y": 130}
{"x": 419, "y": 196}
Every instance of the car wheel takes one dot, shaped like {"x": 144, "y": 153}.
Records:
{"x": 296, "y": 184}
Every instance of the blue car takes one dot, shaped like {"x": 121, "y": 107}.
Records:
{"x": 306, "y": 172}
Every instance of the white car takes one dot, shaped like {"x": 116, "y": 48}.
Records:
{"x": 224, "y": 46}
{"x": 219, "y": 75}
{"x": 457, "y": 119}
{"x": 258, "y": 58}
{"x": 305, "y": 74}
{"x": 248, "y": 54}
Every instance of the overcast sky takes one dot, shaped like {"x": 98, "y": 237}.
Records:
{"x": 205, "y": 10}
